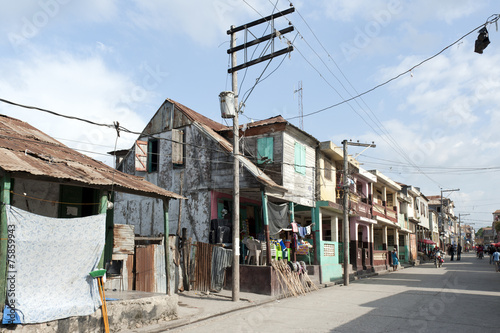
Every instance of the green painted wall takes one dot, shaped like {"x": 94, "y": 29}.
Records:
{"x": 331, "y": 270}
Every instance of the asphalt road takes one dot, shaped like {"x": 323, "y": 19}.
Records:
{"x": 461, "y": 296}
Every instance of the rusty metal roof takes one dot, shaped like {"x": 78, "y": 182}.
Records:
{"x": 195, "y": 116}
{"x": 27, "y": 152}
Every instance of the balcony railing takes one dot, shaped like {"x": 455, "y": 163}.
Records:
{"x": 378, "y": 210}
{"x": 391, "y": 215}
{"x": 382, "y": 211}
{"x": 364, "y": 210}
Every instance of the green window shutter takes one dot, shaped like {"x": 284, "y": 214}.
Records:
{"x": 265, "y": 150}
{"x": 300, "y": 158}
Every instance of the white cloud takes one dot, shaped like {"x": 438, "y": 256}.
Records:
{"x": 22, "y": 21}
{"x": 206, "y": 22}
{"x": 80, "y": 87}
{"x": 415, "y": 11}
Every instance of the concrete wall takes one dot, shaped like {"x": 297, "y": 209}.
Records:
{"x": 122, "y": 315}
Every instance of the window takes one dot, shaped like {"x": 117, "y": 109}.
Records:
{"x": 359, "y": 189}
{"x": 177, "y": 147}
{"x": 300, "y": 158}
{"x": 77, "y": 201}
{"x": 328, "y": 170}
{"x": 141, "y": 155}
{"x": 265, "y": 150}
{"x": 153, "y": 155}
{"x": 147, "y": 155}
{"x": 390, "y": 201}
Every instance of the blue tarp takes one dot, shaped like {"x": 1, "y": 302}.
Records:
{"x": 48, "y": 266}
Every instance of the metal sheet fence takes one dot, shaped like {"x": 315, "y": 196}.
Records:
{"x": 201, "y": 278}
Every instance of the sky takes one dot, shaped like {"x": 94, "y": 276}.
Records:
{"x": 117, "y": 61}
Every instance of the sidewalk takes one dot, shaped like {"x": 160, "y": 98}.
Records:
{"x": 196, "y": 306}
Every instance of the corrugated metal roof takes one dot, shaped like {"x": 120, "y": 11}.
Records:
{"x": 27, "y": 152}
{"x": 195, "y": 116}
{"x": 270, "y": 121}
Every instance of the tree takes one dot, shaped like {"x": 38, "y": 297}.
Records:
{"x": 497, "y": 226}
{"x": 479, "y": 233}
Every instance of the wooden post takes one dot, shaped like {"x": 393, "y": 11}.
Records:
{"x": 345, "y": 221}
{"x": 103, "y": 208}
{"x": 185, "y": 259}
{"x": 291, "y": 208}
{"x": 316, "y": 233}
{"x": 5, "y": 200}
{"x": 108, "y": 248}
{"x": 166, "y": 244}
{"x": 236, "y": 180}
{"x": 266, "y": 227}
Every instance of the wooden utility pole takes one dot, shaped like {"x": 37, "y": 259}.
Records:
{"x": 301, "y": 107}
{"x": 345, "y": 223}
{"x": 236, "y": 179}
{"x": 236, "y": 150}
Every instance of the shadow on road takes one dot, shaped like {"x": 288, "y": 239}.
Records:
{"x": 462, "y": 296}
{"x": 472, "y": 274}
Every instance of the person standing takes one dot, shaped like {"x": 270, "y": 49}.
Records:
{"x": 451, "y": 252}
{"x": 491, "y": 250}
{"x": 496, "y": 259}
{"x": 395, "y": 261}
{"x": 459, "y": 251}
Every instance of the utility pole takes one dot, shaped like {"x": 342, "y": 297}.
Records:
{"x": 236, "y": 150}
{"x": 345, "y": 224}
{"x": 301, "y": 107}
{"x": 460, "y": 228}
{"x": 236, "y": 180}
{"x": 442, "y": 213}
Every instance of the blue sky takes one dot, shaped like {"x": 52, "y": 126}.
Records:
{"x": 115, "y": 60}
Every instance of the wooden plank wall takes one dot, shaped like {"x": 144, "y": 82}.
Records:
{"x": 301, "y": 188}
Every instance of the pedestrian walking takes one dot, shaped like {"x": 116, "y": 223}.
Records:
{"x": 395, "y": 261}
{"x": 459, "y": 251}
{"x": 451, "y": 252}
{"x": 491, "y": 250}
{"x": 496, "y": 259}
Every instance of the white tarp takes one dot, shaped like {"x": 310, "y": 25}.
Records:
{"x": 49, "y": 261}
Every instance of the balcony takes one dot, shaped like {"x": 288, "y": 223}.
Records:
{"x": 364, "y": 210}
{"x": 378, "y": 210}
{"x": 391, "y": 215}
{"x": 382, "y": 211}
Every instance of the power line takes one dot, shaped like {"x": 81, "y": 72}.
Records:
{"x": 389, "y": 140}
{"x": 55, "y": 113}
{"x": 490, "y": 21}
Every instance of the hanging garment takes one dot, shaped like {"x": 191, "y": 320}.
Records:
{"x": 221, "y": 259}
{"x": 278, "y": 217}
{"x": 53, "y": 259}
{"x": 295, "y": 227}
{"x": 302, "y": 232}
{"x": 296, "y": 241}
{"x": 308, "y": 230}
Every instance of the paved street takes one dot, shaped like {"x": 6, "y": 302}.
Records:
{"x": 462, "y": 296}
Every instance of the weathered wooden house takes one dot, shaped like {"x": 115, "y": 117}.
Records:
{"x": 55, "y": 220}
{"x": 182, "y": 151}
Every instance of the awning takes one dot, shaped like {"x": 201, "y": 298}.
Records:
{"x": 426, "y": 241}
